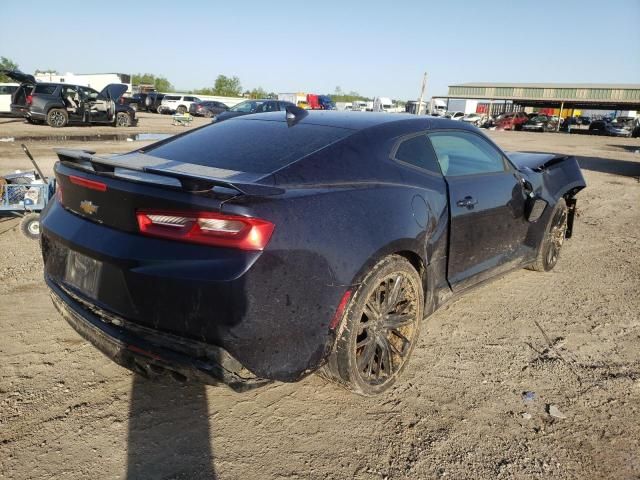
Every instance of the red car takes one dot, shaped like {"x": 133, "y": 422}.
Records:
{"x": 511, "y": 121}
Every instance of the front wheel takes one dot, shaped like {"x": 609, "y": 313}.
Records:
{"x": 379, "y": 329}
{"x": 30, "y": 226}
{"x": 553, "y": 239}
{"x": 123, "y": 120}
{"x": 57, "y": 118}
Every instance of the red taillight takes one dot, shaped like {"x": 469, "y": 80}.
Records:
{"x": 335, "y": 321}
{"x": 29, "y": 99}
{"x": 233, "y": 231}
{"x": 90, "y": 184}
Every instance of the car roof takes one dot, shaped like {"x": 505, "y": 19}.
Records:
{"x": 354, "y": 120}
{"x": 55, "y": 84}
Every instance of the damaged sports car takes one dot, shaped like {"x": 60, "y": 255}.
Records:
{"x": 60, "y": 104}
{"x": 268, "y": 247}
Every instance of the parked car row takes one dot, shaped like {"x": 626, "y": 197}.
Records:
{"x": 252, "y": 106}
{"x": 540, "y": 122}
{"x": 180, "y": 104}
{"x": 617, "y": 127}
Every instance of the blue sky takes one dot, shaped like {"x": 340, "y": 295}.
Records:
{"x": 375, "y": 48}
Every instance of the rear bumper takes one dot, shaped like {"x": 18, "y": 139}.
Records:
{"x": 36, "y": 115}
{"x": 19, "y": 110}
{"x": 150, "y": 353}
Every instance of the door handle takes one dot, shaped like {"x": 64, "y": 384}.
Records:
{"x": 467, "y": 202}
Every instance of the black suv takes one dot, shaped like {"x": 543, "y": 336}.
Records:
{"x": 59, "y": 104}
{"x": 145, "y": 101}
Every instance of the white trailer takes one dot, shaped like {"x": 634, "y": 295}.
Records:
{"x": 294, "y": 98}
{"x": 358, "y": 106}
{"x": 385, "y": 104}
{"x": 97, "y": 81}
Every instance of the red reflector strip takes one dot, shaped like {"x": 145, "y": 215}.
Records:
{"x": 90, "y": 184}
{"x": 146, "y": 353}
{"x": 335, "y": 321}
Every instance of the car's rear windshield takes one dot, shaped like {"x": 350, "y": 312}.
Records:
{"x": 45, "y": 89}
{"x": 248, "y": 145}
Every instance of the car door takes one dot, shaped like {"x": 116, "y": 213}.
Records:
{"x": 488, "y": 227}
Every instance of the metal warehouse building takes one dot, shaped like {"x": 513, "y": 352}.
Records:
{"x": 550, "y": 95}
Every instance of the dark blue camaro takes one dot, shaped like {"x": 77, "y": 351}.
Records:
{"x": 269, "y": 246}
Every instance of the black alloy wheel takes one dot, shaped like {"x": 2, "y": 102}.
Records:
{"x": 553, "y": 240}
{"x": 379, "y": 329}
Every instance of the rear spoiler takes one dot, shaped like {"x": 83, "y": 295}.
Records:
{"x": 193, "y": 178}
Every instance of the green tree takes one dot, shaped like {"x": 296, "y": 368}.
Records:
{"x": 258, "y": 93}
{"x": 347, "y": 97}
{"x": 160, "y": 83}
{"x": 227, "y": 86}
{"x": 204, "y": 91}
{"x": 163, "y": 85}
{"x": 6, "y": 64}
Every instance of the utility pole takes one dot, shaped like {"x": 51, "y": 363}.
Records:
{"x": 424, "y": 85}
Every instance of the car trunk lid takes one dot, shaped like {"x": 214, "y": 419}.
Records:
{"x": 19, "y": 76}
{"x": 113, "y": 91}
{"x": 110, "y": 190}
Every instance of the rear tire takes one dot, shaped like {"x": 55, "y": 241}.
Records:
{"x": 181, "y": 110}
{"x": 30, "y": 226}
{"x": 379, "y": 329}
{"x": 554, "y": 234}
{"x": 57, "y": 118}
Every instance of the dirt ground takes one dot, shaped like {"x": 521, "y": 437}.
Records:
{"x": 571, "y": 337}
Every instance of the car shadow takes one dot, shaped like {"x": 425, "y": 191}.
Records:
{"x": 11, "y": 120}
{"x": 169, "y": 432}
{"x": 624, "y": 168}
{"x": 626, "y": 148}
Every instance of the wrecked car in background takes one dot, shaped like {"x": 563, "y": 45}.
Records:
{"x": 60, "y": 104}
{"x": 319, "y": 245}
{"x": 541, "y": 123}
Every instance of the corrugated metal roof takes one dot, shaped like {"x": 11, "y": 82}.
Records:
{"x": 613, "y": 86}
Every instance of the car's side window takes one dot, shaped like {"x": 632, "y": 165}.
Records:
{"x": 417, "y": 151}
{"x": 465, "y": 153}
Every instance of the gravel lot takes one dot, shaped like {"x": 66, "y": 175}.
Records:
{"x": 571, "y": 337}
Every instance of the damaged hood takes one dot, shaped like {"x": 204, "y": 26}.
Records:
{"x": 535, "y": 161}
{"x": 114, "y": 91}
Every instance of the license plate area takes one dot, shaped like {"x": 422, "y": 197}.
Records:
{"x": 83, "y": 273}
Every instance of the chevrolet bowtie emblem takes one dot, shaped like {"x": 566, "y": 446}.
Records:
{"x": 88, "y": 207}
